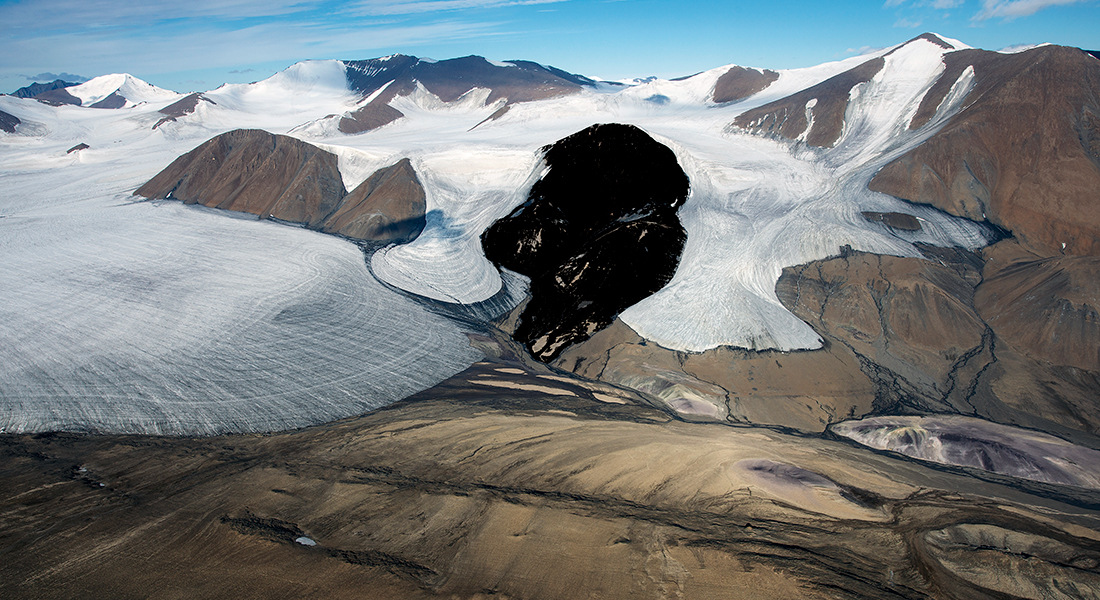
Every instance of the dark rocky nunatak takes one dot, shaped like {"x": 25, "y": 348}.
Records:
{"x": 739, "y": 83}
{"x": 180, "y": 108}
{"x": 598, "y": 233}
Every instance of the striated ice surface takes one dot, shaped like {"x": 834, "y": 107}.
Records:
{"x": 970, "y": 442}
{"x": 145, "y": 317}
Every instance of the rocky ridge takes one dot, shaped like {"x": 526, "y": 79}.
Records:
{"x": 279, "y": 177}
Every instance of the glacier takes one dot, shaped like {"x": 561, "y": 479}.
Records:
{"x": 158, "y": 318}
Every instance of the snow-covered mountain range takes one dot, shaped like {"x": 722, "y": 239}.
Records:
{"x": 121, "y": 314}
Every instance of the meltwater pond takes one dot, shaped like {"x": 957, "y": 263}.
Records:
{"x": 160, "y": 318}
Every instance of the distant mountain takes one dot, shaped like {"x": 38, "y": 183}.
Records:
{"x": 35, "y": 89}
{"x": 383, "y": 79}
{"x": 120, "y": 90}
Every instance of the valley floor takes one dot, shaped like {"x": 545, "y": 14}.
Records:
{"x": 510, "y": 480}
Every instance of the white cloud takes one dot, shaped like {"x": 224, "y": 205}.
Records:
{"x": 1012, "y": 9}
{"x": 907, "y": 24}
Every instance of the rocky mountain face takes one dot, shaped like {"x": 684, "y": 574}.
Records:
{"x": 739, "y": 83}
{"x": 400, "y": 75}
{"x": 58, "y": 97}
{"x": 182, "y": 107}
{"x": 597, "y": 233}
{"x": 1024, "y": 154}
{"x": 817, "y": 111}
{"x": 35, "y": 89}
{"x": 280, "y": 177}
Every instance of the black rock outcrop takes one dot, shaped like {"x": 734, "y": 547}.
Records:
{"x": 598, "y": 233}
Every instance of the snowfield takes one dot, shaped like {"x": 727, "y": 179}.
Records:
{"x": 133, "y": 316}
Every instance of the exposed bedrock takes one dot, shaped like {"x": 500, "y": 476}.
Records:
{"x": 598, "y": 233}
{"x": 739, "y": 83}
{"x": 1024, "y": 154}
{"x": 58, "y": 97}
{"x": 281, "y": 177}
{"x": 1003, "y": 335}
{"x": 787, "y": 117}
{"x": 251, "y": 170}
{"x": 929, "y": 341}
{"x": 1046, "y": 308}
{"x": 449, "y": 80}
{"x": 914, "y": 318}
{"x": 8, "y": 122}
{"x": 35, "y": 89}
{"x": 181, "y": 107}
{"x": 803, "y": 390}
{"x": 388, "y": 206}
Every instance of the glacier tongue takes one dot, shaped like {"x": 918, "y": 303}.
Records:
{"x": 160, "y": 318}
{"x": 759, "y": 205}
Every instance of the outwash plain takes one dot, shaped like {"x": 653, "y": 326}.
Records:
{"x": 404, "y": 328}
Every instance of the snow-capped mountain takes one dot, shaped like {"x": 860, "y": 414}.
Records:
{"x": 118, "y": 90}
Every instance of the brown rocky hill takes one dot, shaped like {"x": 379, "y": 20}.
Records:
{"x": 1024, "y": 154}
{"x": 280, "y": 177}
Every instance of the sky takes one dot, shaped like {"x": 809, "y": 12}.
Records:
{"x": 200, "y": 44}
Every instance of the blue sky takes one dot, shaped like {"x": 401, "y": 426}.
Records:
{"x": 200, "y": 44}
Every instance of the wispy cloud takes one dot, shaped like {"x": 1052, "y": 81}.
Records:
{"x": 53, "y": 76}
{"x": 56, "y": 15}
{"x": 410, "y": 7}
{"x": 1012, "y": 9}
{"x": 104, "y": 36}
{"x": 158, "y": 52}
{"x": 907, "y": 24}
{"x": 937, "y": 4}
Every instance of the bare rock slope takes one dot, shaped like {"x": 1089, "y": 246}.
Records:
{"x": 1024, "y": 154}
{"x": 280, "y": 177}
{"x": 400, "y": 75}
